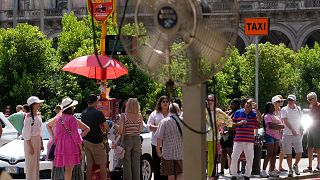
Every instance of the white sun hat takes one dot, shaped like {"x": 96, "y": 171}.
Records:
{"x": 34, "y": 99}
{"x": 68, "y": 102}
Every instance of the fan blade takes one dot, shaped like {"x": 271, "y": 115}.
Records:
{"x": 209, "y": 43}
{"x": 153, "y": 50}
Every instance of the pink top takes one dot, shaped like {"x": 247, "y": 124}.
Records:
{"x": 275, "y": 133}
{"x": 67, "y": 150}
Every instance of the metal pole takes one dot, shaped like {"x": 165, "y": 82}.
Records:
{"x": 42, "y": 15}
{"x": 194, "y": 159}
{"x": 257, "y": 72}
{"x": 15, "y": 13}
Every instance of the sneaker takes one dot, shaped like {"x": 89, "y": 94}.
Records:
{"x": 316, "y": 170}
{"x": 233, "y": 178}
{"x": 296, "y": 169}
{"x": 246, "y": 178}
{"x": 307, "y": 170}
{"x": 273, "y": 174}
{"x": 290, "y": 173}
{"x": 264, "y": 174}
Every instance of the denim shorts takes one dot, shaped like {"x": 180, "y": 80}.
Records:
{"x": 269, "y": 139}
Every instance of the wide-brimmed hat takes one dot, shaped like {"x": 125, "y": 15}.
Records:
{"x": 34, "y": 99}
{"x": 68, "y": 102}
{"x": 275, "y": 99}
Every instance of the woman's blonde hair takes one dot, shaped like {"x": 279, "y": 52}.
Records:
{"x": 132, "y": 106}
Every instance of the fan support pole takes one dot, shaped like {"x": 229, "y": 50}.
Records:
{"x": 194, "y": 159}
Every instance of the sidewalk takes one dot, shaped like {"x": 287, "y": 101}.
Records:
{"x": 302, "y": 165}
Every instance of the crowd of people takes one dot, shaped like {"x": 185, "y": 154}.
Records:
{"x": 282, "y": 131}
{"x": 236, "y": 132}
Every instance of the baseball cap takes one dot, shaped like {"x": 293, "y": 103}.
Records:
{"x": 291, "y": 96}
{"x": 92, "y": 98}
{"x": 275, "y": 99}
{"x": 34, "y": 99}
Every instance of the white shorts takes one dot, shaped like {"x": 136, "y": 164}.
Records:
{"x": 289, "y": 142}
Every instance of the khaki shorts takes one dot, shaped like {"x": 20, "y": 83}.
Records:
{"x": 170, "y": 167}
{"x": 289, "y": 142}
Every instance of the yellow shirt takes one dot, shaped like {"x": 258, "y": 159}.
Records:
{"x": 222, "y": 119}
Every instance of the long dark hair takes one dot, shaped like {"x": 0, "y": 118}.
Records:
{"x": 158, "y": 106}
{"x": 267, "y": 110}
{"x": 32, "y": 115}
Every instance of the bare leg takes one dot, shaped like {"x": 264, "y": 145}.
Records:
{"x": 172, "y": 177}
{"x": 289, "y": 161}
{"x": 268, "y": 156}
{"x": 179, "y": 176}
{"x": 298, "y": 158}
{"x": 68, "y": 172}
{"x": 274, "y": 156}
{"x": 310, "y": 156}
{"x": 223, "y": 159}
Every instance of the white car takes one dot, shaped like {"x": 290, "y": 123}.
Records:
{"x": 146, "y": 156}
{"x": 12, "y": 157}
{"x": 9, "y": 133}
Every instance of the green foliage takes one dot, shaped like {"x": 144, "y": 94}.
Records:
{"x": 309, "y": 65}
{"x": 25, "y": 59}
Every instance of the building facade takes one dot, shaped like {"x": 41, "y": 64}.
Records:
{"x": 295, "y": 23}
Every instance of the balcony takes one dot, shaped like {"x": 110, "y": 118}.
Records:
{"x": 7, "y": 15}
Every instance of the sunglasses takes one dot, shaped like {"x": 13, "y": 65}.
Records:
{"x": 210, "y": 100}
{"x": 164, "y": 101}
{"x": 278, "y": 101}
{"x": 310, "y": 99}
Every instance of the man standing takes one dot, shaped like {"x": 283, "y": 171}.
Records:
{"x": 292, "y": 133}
{"x": 170, "y": 133}
{"x": 314, "y": 133}
{"x": 16, "y": 119}
{"x": 93, "y": 142}
{"x": 245, "y": 121}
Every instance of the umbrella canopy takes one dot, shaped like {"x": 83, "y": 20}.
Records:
{"x": 88, "y": 66}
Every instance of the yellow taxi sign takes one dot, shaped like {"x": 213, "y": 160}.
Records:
{"x": 256, "y": 26}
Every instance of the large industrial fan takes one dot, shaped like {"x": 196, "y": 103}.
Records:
{"x": 180, "y": 41}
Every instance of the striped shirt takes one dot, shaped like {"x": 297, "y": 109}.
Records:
{"x": 245, "y": 132}
{"x": 130, "y": 127}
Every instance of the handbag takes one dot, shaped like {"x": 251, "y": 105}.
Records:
{"x": 51, "y": 152}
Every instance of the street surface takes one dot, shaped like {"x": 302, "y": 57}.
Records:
{"x": 302, "y": 165}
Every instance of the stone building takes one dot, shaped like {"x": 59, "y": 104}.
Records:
{"x": 295, "y": 23}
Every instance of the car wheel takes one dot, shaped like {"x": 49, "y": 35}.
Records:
{"x": 146, "y": 167}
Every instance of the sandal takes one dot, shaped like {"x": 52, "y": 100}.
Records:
{"x": 283, "y": 170}
{"x": 308, "y": 169}
{"x": 316, "y": 170}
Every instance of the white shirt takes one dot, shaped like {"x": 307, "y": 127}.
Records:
{"x": 154, "y": 119}
{"x": 29, "y": 130}
{"x": 294, "y": 119}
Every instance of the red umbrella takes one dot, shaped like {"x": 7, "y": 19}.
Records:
{"x": 88, "y": 66}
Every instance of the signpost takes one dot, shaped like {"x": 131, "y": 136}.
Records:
{"x": 257, "y": 27}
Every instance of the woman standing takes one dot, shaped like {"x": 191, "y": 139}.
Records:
{"x": 223, "y": 120}
{"x": 67, "y": 138}
{"x": 272, "y": 126}
{"x": 130, "y": 127}
{"x": 161, "y": 112}
{"x": 32, "y": 136}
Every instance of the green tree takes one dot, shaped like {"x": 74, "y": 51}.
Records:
{"x": 309, "y": 66}
{"x": 278, "y": 72}
{"x": 25, "y": 60}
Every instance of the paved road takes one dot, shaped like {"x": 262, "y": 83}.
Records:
{"x": 302, "y": 165}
